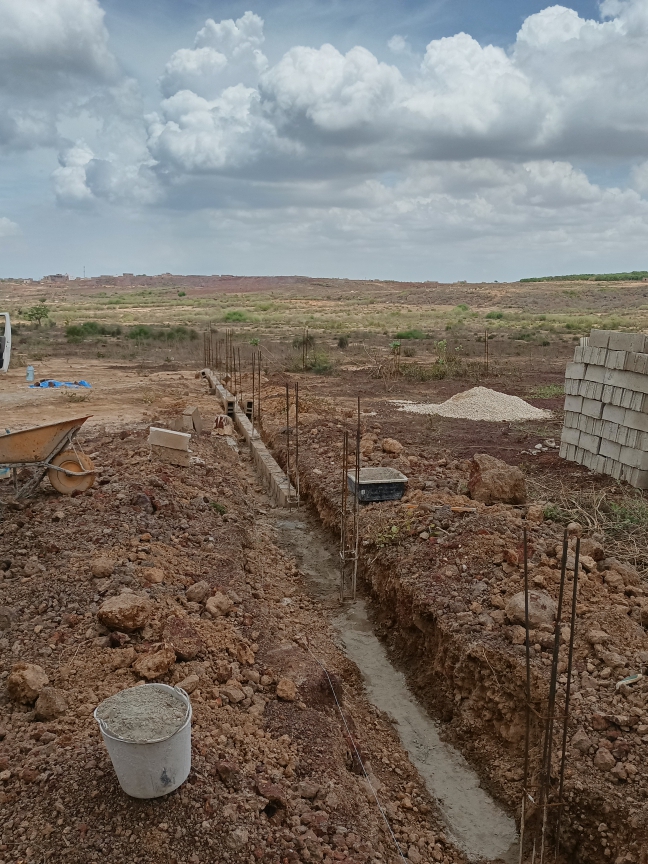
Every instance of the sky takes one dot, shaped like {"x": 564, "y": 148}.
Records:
{"x": 378, "y": 139}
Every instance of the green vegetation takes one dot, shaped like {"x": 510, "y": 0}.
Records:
{"x": 173, "y": 334}
{"x": 547, "y": 391}
{"x": 632, "y": 276}
{"x": 219, "y": 508}
{"x": 494, "y": 316}
{"x": 237, "y": 316}
{"x": 77, "y": 333}
{"x": 343, "y": 342}
{"x": 37, "y": 313}
{"x": 411, "y": 334}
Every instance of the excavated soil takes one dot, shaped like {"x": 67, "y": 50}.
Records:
{"x": 440, "y": 582}
{"x": 276, "y": 774}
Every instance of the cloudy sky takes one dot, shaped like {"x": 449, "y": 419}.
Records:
{"x": 406, "y": 139}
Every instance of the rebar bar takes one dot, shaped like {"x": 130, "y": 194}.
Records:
{"x": 527, "y": 732}
{"x": 253, "y": 389}
{"x": 288, "y": 439}
{"x": 297, "y": 440}
{"x": 343, "y": 511}
{"x": 356, "y": 509}
{"x": 548, "y": 747}
{"x": 570, "y": 660}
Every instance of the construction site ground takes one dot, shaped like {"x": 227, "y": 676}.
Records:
{"x": 438, "y": 602}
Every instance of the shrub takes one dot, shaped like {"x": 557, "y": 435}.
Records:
{"x": 462, "y": 307}
{"x": 343, "y": 342}
{"x": 236, "y": 315}
{"x": 494, "y": 315}
{"x": 411, "y": 334}
{"x": 409, "y": 351}
{"x": 37, "y": 313}
{"x": 182, "y": 293}
{"x": 305, "y": 339}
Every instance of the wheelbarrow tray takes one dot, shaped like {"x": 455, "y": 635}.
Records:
{"x": 37, "y": 444}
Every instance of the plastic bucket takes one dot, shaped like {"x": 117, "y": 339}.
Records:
{"x": 152, "y": 768}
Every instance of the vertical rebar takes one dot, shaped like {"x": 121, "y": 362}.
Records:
{"x": 356, "y": 509}
{"x": 570, "y": 659}
{"x": 527, "y": 730}
{"x": 343, "y": 511}
{"x": 240, "y": 368}
{"x": 288, "y": 439}
{"x": 297, "y": 440}
{"x": 259, "y": 373}
{"x": 548, "y": 745}
{"x": 253, "y": 389}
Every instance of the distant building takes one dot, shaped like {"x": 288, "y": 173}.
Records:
{"x": 128, "y": 274}
{"x": 57, "y": 277}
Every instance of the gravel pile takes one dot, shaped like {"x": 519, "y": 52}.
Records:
{"x": 142, "y": 714}
{"x": 479, "y": 403}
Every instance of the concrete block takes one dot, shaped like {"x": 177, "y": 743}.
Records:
{"x": 589, "y": 424}
{"x": 635, "y": 420}
{"x": 596, "y": 373}
{"x": 170, "y": 455}
{"x": 570, "y": 436}
{"x": 641, "y": 441}
{"x": 598, "y": 464}
{"x": 619, "y": 341}
{"x": 637, "y": 478}
{"x": 591, "y": 390}
{"x": 584, "y": 341}
{"x": 574, "y": 403}
{"x": 567, "y": 451}
{"x": 614, "y": 469}
{"x": 579, "y": 354}
{"x": 616, "y": 359}
{"x": 614, "y": 413}
{"x": 573, "y": 387}
{"x": 640, "y": 363}
{"x": 599, "y": 338}
{"x": 592, "y": 408}
{"x": 168, "y": 438}
{"x": 571, "y": 419}
{"x": 627, "y": 380}
{"x": 609, "y": 449}
{"x": 192, "y": 421}
{"x": 588, "y": 442}
{"x": 579, "y": 455}
{"x": 634, "y": 458}
{"x": 575, "y": 370}
{"x": 609, "y": 430}
{"x": 629, "y": 437}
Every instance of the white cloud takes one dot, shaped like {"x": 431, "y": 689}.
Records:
{"x": 398, "y": 44}
{"x": 8, "y": 228}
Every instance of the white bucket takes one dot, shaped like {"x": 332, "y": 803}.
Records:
{"x": 152, "y": 768}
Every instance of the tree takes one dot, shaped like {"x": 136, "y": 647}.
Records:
{"x": 37, "y": 313}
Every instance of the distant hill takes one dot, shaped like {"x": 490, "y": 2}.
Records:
{"x": 633, "y": 276}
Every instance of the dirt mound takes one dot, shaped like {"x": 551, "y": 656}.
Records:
{"x": 479, "y": 403}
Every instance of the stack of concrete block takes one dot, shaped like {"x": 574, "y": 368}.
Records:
{"x": 606, "y": 406}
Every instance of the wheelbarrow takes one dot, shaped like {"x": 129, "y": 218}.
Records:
{"x": 51, "y": 450}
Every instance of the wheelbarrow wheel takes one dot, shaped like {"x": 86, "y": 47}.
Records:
{"x": 66, "y": 484}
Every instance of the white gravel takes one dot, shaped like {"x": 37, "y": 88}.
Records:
{"x": 478, "y": 403}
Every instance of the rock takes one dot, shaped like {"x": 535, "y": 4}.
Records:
{"x": 237, "y": 838}
{"x": 308, "y": 789}
{"x": 592, "y": 548}
{"x": 118, "y": 639}
{"x": 122, "y": 658}
{"x": 575, "y": 529}
{"x": 102, "y": 567}
{"x": 7, "y": 616}
{"x": 391, "y": 445}
{"x": 155, "y": 664}
{"x": 542, "y": 609}
{"x": 125, "y": 612}
{"x": 581, "y": 742}
{"x": 185, "y": 639}
{"x": 588, "y": 564}
{"x": 597, "y": 637}
{"x": 26, "y": 682}
{"x": 152, "y": 575}
{"x": 614, "y": 580}
{"x": 287, "y": 690}
{"x": 189, "y": 683}
{"x": 629, "y": 574}
{"x": 228, "y": 773}
{"x": 604, "y": 760}
{"x": 414, "y": 855}
{"x": 50, "y": 704}
{"x": 367, "y": 444}
{"x": 599, "y": 722}
{"x": 273, "y": 792}
{"x": 233, "y": 693}
{"x": 535, "y": 513}
{"x": 219, "y": 604}
{"x": 492, "y": 481}
{"x": 198, "y": 592}
{"x": 223, "y": 671}
{"x": 619, "y": 772}
{"x": 517, "y": 635}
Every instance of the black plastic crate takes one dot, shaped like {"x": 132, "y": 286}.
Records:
{"x": 378, "y": 484}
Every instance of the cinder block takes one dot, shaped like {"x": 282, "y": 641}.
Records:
{"x": 592, "y": 390}
{"x": 598, "y": 464}
{"x": 570, "y": 436}
{"x": 637, "y": 478}
{"x": 609, "y": 449}
{"x": 640, "y": 363}
{"x": 627, "y": 341}
{"x": 571, "y": 420}
{"x": 579, "y": 455}
{"x": 641, "y": 441}
{"x": 592, "y": 408}
{"x": 579, "y": 354}
{"x": 609, "y": 430}
{"x": 599, "y": 338}
{"x": 627, "y": 380}
{"x": 584, "y": 341}
{"x": 167, "y": 438}
{"x": 574, "y": 403}
{"x": 615, "y": 414}
{"x": 573, "y": 386}
{"x": 565, "y": 450}
{"x": 588, "y": 442}
{"x": 596, "y": 373}
{"x": 614, "y": 469}
{"x": 616, "y": 359}
{"x": 634, "y": 458}
{"x": 635, "y": 420}
{"x": 575, "y": 370}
